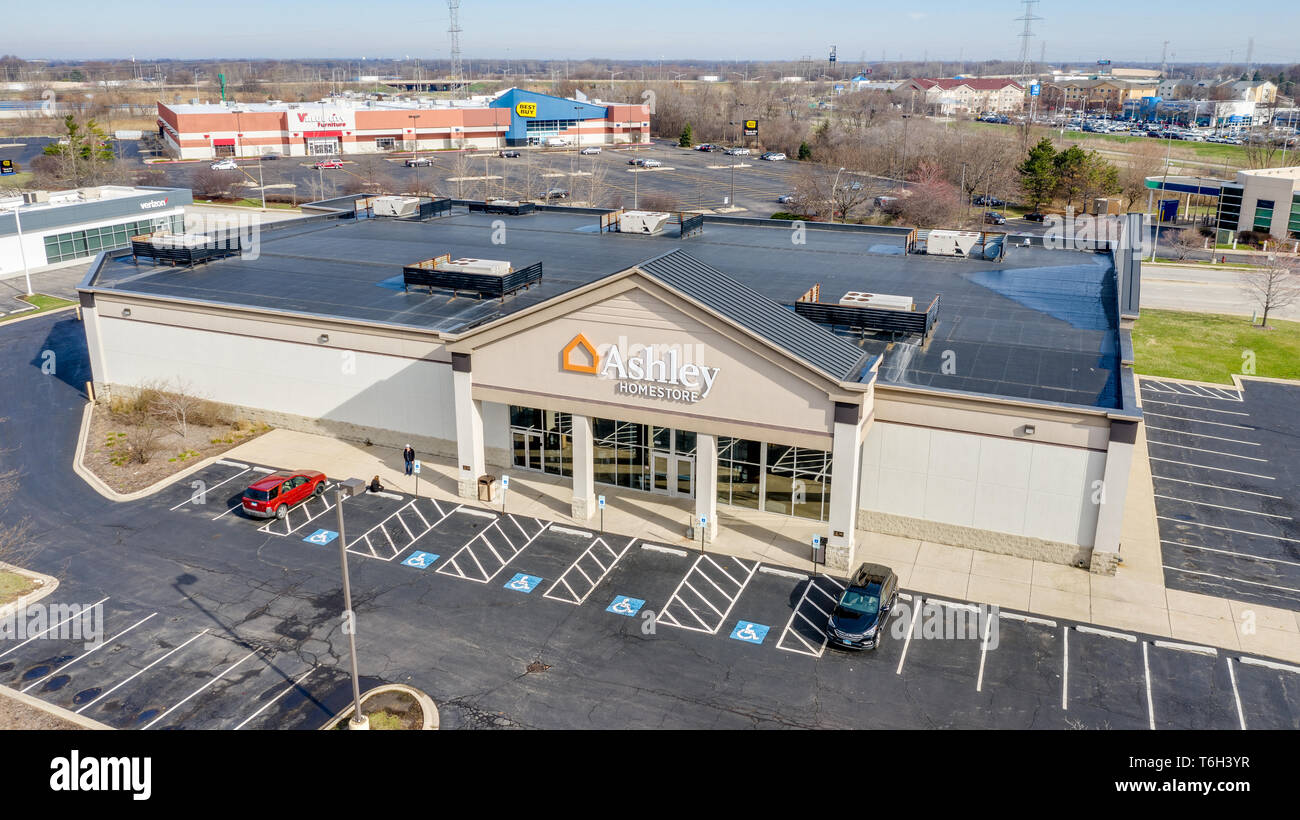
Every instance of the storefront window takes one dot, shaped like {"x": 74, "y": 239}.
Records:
{"x": 798, "y": 482}
{"x": 739, "y": 469}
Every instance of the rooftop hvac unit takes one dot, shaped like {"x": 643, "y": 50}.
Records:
{"x": 643, "y": 222}
{"x": 35, "y": 197}
{"x": 951, "y": 243}
{"x": 396, "y": 205}
{"x": 884, "y": 301}
{"x": 486, "y": 267}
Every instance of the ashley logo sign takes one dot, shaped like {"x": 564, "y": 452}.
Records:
{"x": 672, "y": 372}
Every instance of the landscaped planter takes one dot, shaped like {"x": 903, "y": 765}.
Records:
{"x": 393, "y": 706}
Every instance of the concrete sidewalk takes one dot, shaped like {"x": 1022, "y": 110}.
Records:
{"x": 1135, "y": 598}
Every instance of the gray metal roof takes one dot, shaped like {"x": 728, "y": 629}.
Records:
{"x": 806, "y": 340}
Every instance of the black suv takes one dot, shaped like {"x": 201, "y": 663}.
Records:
{"x": 859, "y": 618}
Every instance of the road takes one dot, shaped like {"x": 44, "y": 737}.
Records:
{"x": 1202, "y": 289}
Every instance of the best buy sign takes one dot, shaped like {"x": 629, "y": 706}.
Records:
{"x": 526, "y": 109}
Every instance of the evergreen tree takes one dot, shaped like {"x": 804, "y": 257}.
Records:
{"x": 805, "y": 152}
{"x": 1038, "y": 173}
{"x": 687, "y": 139}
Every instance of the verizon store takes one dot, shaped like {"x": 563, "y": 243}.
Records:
{"x": 712, "y": 368}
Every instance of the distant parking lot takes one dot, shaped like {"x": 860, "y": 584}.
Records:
{"x": 1226, "y": 469}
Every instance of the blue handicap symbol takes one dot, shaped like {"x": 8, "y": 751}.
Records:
{"x": 624, "y": 605}
{"x": 749, "y": 632}
{"x": 321, "y": 537}
{"x": 420, "y": 560}
{"x": 523, "y": 583}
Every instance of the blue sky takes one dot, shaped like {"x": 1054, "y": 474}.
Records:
{"x": 1121, "y": 30}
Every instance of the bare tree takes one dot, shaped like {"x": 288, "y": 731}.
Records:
{"x": 15, "y": 545}
{"x": 209, "y": 184}
{"x": 1182, "y": 243}
{"x": 1274, "y": 287}
{"x": 175, "y": 405}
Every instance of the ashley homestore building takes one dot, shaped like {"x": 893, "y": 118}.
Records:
{"x": 707, "y": 367}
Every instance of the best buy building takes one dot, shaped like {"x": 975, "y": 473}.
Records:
{"x": 675, "y": 366}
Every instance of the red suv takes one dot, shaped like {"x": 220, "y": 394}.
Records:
{"x": 329, "y": 163}
{"x": 273, "y": 495}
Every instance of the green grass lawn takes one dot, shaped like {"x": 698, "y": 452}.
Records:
{"x": 13, "y": 586}
{"x": 40, "y": 300}
{"x": 1211, "y": 347}
{"x": 18, "y": 180}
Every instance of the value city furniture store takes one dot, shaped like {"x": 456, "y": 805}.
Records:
{"x": 52, "y": 228}
{"x": 666, "y": 376}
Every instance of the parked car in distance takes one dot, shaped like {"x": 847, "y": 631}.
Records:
{"x": 224, "y": 165}
{"x": 860, "y": 616}
{"x": 636, "y": 161}
{"x": 1035, "y": 216}
{"x": 270, "y": 155}
{"x": 329, "y": 163}
{"x": 737, "y": 152}
{"x": 785, "y": 199}
{"x": 419, "y": 162}
{"x": 705, "y": 146}
{"x": 590, "y": 149}
{"x": 508, "y": 154}
{"x": 994, "y": 218}
{"x": 773, "y": 156}
{"x": 557, "y": 193}
{"x": 272, "y": 495}
{"x": 650, "y": 163}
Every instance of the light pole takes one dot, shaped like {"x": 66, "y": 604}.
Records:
{"x": 415, "y": 153}
{"x": 346, "y": 489}
{"x": 27, "y": 274}
{"x": 261, "y": 183}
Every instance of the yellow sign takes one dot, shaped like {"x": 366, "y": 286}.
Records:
{"x": 751, "y": 124}
{"x": 526, "y": 109}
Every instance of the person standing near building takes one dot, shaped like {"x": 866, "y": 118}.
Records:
{"x": 408, "y": 455}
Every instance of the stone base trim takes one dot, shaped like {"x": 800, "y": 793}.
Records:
{"x": 1020, "y": 546}
{"x": 1103, "y": 563}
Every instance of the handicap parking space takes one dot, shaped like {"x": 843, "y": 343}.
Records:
{"x": 804, "y": 631}
{"x": 1105, "y": 680}
{"x": 1225, "y": 466}
{"x": 577, "y": 580}
{"x": 1269, "y": 693}
{"x": 768, "y": 603}
{"x": 707, "y": 593}
{"x": 1191, "y": 687}
{"x": 647, "y": 572}
{"x": 407, "y": 522}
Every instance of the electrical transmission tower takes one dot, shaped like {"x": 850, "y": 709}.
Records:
{"x": 453, "y": 29}
{"x": 1026, "y": 34}
{"x": 1164, "y": 59}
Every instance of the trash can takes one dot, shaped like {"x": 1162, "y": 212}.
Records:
{"x": 819, "y": 550}
{"x": 487, "y": 488}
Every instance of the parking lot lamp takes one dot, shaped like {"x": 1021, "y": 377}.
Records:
{"x": 347, "y": 489}
{"x": 415, "y": 151}
{"x": 833, "y": 185}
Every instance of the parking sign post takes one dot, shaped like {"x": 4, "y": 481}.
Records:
{"x": 415, "y": 467}
{"x": 350, "y": 487}
{"x": 600, "y": 502}
{"x": 704, "y": 519}
{"x": 505, "y": 485}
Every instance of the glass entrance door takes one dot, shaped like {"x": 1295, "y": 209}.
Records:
{"x": 671, "y": 474}
{"x": 528, "y": 449}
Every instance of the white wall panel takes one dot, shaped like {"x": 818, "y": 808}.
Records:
{"x": 1021, "y": 487}
{"x": 322, "y": 382}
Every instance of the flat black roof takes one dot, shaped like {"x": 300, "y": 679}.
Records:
{"x": 1040, "y": 325}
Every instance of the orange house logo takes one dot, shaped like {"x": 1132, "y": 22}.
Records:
{"x": 578, "y": 364}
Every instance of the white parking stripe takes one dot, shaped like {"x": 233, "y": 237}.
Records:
{"x": 1146, "y": 670}
{"x": 1203, "y": 450}
{"x": 1015, "y": 616}
{"x": 1216, "y": 469}
{"x": 1217, "y": 487}
{"x": 1201, "y": 421}
{"x": 1065, "y": 667}
{"x": 984, "y": 652}
{"x": 916, "y": 611}
{"x": 80, "y": 614}
{"x": 232, "y": 464}
{"x": 293, "y": 685}
{"x": 228, "y": 512}
{"x": 1203, "y": 435}
{"x": 93, "y": 649}
{"x": 1232, "y": 675}
{"x": 1229, "y": 529}
{"x": 1230, "y": 552}
{"x": 1234, "y": 580}
{"x": 140, "y": 672}
{"x": 1222, "y": 507}
{"x": 1194, "y": 407}
{"x": 169, "y": 710}
{"x": 207, "y": 490}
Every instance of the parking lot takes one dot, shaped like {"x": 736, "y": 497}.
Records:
{"x": 1226, "y": 466}
{"x": 458, "y": 599}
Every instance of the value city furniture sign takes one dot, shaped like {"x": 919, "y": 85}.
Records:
{"x": 666, "y": 372}
{"x": 322, "y": 119}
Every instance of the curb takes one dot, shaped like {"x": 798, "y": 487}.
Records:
{"x": 100, "y": 486}
{"x": 428, "y": 708}
{"x": 55, "y": 711}
{"x": 63, "y": 309}
{"x": 48, "y": 584}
